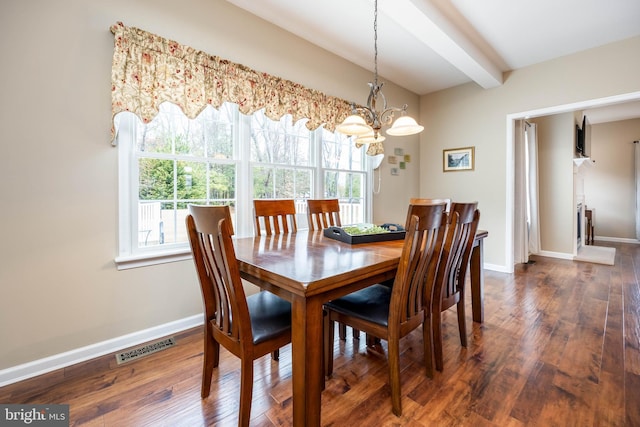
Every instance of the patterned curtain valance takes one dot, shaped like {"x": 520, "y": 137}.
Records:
{"x": 149, "y": 70}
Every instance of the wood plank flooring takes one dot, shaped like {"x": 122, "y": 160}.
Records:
{"x": 560, "y": 346}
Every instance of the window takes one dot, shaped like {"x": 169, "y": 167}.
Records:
{"x": 224, "y": 158}
{"x": 344, "y": 176}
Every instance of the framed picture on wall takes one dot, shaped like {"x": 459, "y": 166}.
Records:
{"x": 458, "y": 159}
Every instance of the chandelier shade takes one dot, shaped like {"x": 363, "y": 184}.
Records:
{"x": 367, "y": 121}
{"x": 403, "y": 126}
{"x": 354, "y": 125}
{"x": 369, "y": 137}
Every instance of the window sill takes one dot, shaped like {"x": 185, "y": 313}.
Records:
{"x": 152, "y": 258}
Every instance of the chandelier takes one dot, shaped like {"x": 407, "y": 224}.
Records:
{"x": 365, "y": 122}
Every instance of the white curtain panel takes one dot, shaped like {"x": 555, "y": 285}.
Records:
{"x": 636, "y": 150}
{"x": 521, "y": 241}
{"x": 532, "y": 184}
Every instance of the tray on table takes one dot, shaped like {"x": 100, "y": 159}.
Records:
{"x": 339, "y": 233}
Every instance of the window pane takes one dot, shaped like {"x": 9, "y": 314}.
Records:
{"x": 217, "y": 131}
{"x": 173, "y": 219}
{"x": 267, "y": 143}
{"x": 339, "y": 152}
{"x": 331, "y": 184}
{"x": 263, "y": 183}
{"x": 304, "y": 183}
{"x": 209, "y": 135}
{"x": 282, "y": 183}
{"x": 155, "y": 179}
{"x": 222, "y": 182}
{"x": 160, "y": 135}
{"x": 192, "y": 181}
{"x": 285, "y": 183}
{"x": 349, "y": 189}
{"x": 150, "y": 224}
{"x": 298, "y": 141}
{"x": 279, "y": 142}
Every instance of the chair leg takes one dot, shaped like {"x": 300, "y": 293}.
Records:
{"x": 342, "y": 331}
{"x": 328, "y": 344}
{"x": 427, "y": 340}
{"x": 371, "y": 340}
{"x": 394, "y": 375}
{"x": 462, "y": 323}
{"x": 246, "y": 391}
{"x": 275, "y": 355}
{"x": 210, "y": 361}
{"x": 437, "y": 339}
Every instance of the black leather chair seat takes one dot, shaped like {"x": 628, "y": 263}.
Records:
{"x": 371, "y": 303}
{"x": 270, "y": 316}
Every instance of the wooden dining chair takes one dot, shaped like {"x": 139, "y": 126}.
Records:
{"x": 393, "y": 312}
{"x": 374, "y": 342}
{"x": 323, "y": 213}
{"x": 449, "y": 287}
{"x": 249, "y": 327}
{"x": 275, "y": 216}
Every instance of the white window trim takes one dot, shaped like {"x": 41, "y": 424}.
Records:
{"x": 127, "y": 217}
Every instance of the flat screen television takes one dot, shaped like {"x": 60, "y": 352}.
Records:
{"x": 583, "y": 138}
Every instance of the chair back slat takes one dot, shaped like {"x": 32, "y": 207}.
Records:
{"x": 275, "y": 216}
{"x": 456, "y": 252}
{"x": 323, "y": 213}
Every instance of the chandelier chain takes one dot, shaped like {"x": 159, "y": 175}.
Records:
{"x": 366, "y": 121}
{"x": 375, "y": 42}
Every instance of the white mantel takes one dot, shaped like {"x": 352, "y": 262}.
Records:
{"x": 580, "y": 161}
{"x": 580, "y": 167}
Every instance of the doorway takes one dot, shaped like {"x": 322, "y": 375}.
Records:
{"x": 515, "y": 237}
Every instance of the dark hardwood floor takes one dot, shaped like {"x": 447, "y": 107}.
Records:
{"x": 560, "y": 346}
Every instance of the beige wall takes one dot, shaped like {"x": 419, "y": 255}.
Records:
{"x": 555, "y": 182}
{"x": 468, "y": 115}
{"x": 58, "y": 180}
{"x": 610, "y": 182}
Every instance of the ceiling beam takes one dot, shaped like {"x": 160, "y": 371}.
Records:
{"x": 431, "y": 27}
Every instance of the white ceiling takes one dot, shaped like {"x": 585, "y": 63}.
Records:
{"x": 615, "y": 112}
{"x": 429, "y": 45}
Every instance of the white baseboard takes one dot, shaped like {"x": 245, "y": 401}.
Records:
{"x": 62, "y": 360}
{"x": 496, "y": 267}
{"x": 617, "y": 239}
{"x": 559, "y": 255}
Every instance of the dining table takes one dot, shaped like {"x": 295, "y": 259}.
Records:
{"x": 308, "y": 269}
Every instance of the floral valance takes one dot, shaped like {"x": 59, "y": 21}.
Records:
{"x": 149, "y": 70}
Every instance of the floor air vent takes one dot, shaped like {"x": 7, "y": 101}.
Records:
{"x": 145, "y": 350}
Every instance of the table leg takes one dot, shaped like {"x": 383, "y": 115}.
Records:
{"x": 306, "y": 355}
{"x": 477, "y": 281}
